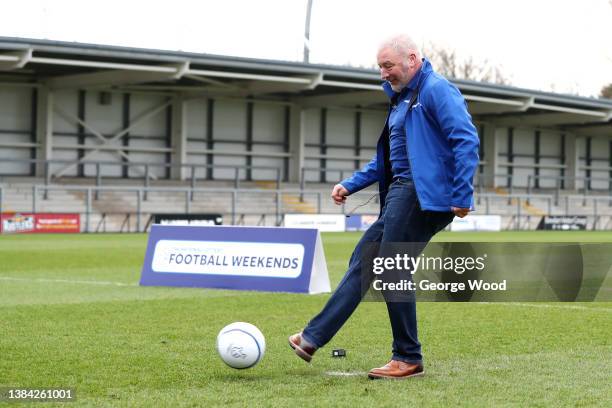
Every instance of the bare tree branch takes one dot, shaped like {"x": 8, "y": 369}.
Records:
{"x": 606, "y": 92}
{"x": 448, "y": 63}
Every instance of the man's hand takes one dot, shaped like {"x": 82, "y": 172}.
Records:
{"x": 460, "y": 212}
{"x": 339, "y": 194}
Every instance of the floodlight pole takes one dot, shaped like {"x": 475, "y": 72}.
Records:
{"x": 307, "y": 32}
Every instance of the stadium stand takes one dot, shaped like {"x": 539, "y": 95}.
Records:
{"x": 116, "y": 134}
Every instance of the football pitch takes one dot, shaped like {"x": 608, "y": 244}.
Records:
{"x": 73, "y": 315}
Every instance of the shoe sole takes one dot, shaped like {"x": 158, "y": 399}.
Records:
{"x": 385, "y": 377}
{"x": 300, "y": 353}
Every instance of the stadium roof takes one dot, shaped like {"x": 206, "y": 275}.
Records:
{"x": 66, "y": 65}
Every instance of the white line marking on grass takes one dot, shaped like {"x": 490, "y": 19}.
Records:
{"x": 544, "y": 306}
{"x": 10, "y": 278}
{"x": 345, "y": 373}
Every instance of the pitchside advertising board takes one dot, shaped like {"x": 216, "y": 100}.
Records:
{"x": 563, "y": 222}
{"x": 244, "y": 258}
{"x": 186, "y": 219}
{"x": 477, "y": 223}
{"x": 360, "y": 222}
{"x": 29, "y": 223}
{"x": 322, "y": 222}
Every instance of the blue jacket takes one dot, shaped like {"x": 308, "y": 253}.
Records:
{"x": 442, "y": 146}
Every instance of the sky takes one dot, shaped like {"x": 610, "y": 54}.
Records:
{"x": 563, "y": 46}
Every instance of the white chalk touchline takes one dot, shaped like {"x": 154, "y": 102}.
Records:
{"x": 544, "y": 306}
{"x": 10, "y": 278}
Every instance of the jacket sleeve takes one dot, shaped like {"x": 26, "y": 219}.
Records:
{"x": 450, "y": 110}
{"x": 362, "y": 178}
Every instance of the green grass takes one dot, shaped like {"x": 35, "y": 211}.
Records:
{"x": 72, "y": 315}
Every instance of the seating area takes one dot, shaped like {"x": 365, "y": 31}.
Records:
{"x": 126, "y": 205}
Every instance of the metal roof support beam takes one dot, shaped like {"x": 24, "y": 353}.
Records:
{"x": 44, "y": 128}
{"x": 352, "y": 85}
{"x": 19, "y": 84}
{"x": 179, "y": 138}
{"x": 297, "y": 137}
{"x": 101, "y": 147}
{"x": 104, "y": 65}
{"x": 316, "y": 80}
{"x": 544, "y": 115}
{"x": 361, "y": 98}
{"x": 104, "y": 140}
{"x": 491, "y": 155}
{"x": 592, "y": 113}
{"x": 218, "y": 152}
{"x": 171, "y": 70}
{"x": 107, "y": 142}
{"x": 528, "y": 104}
{"x": 571, "y": 161}
{"x": 210, "y": 81}
{"x": 518, "y": 105}
{"x": 257, "y": 77}
{"x": 254, "y": 84}
{"x": 482, "y": 105}
{"x": 15, "y": 60}
{"x": 181, "y": 69}
{"x": 105, "y": 79}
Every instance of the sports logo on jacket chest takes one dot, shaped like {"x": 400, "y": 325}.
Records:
{"x": 416, "y": 105}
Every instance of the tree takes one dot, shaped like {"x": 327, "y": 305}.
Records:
{"x": 448, "y": 63}
{"x": 606, "y": 92}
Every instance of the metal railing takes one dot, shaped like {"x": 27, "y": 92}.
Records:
{"x": 145, "y": 168}
{"x": 522, "y": 213}
{"x": 303, "y": 171}
{"x": 480, "y": 179}
{"x": 187, "y": 192}
{"x": 518, "y": 212}
{"x": 147, "y": 174}
{"x": 586, "y": 182}
{"x": 40, "y": 193}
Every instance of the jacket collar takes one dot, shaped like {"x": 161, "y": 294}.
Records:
{"x": 425, "y": 69}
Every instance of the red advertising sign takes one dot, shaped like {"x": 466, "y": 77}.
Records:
{"x": 39, "y": 223}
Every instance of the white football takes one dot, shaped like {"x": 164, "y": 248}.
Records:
{"x": 241, "y": 345}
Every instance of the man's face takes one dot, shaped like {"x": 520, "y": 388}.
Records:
{"x": 393, "y": 68}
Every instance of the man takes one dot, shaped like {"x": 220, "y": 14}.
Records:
{"x": 424, "y": 164}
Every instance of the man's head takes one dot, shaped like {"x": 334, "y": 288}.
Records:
{"x": 399, "y": 60}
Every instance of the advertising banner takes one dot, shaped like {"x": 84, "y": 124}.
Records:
{"x": 360, "y": 222}
{"x": 187, "y": 219}
{"x": 244, "y": 258}
{"x": 563, "y": 222}
{"x": 12, "y": 223}
{"x": 477, "y": 223}
{"x": 322, "y": 222}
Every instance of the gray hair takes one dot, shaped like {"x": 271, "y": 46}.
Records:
{"x": 402, "y": 44}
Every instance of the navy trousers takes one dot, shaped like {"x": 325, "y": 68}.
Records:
{"x": 402, "y": 220}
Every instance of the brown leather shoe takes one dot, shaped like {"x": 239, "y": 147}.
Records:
{"x": 396, "y": 370}
{"x": 303, "y": 349}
